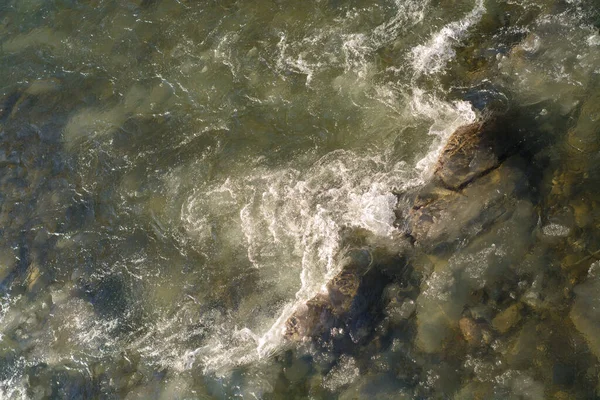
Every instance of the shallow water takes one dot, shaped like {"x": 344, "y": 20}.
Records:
{"x": 177, "y": 177}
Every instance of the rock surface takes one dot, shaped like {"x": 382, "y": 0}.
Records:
{"x": 347, "y": 304}
{"x": 478, "y": 180}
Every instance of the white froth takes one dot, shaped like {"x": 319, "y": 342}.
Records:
{"x": 288, "y": 220}
{"x": 318, "y": 50}
{"x": 431, "y": 58}
{"x": 291, "y": 223}
{"x": 446, "y": 118}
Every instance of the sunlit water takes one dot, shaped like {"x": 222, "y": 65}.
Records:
{"x": 176, "y": 177}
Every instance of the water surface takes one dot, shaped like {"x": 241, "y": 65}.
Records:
{"x": 176, "y": 176}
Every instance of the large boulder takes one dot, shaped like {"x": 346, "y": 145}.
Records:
{"x": 478, "y": 179}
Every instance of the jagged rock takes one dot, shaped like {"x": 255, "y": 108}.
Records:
{"x": 347, "y": 301}
{"x": 320, "y": 313}
{"x": 471, "y": 151}
{"x": 477, "y": 182}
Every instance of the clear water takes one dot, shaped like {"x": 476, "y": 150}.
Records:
{"x": 177, "y": 176}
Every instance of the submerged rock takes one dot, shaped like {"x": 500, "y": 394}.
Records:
{"x": 477, "y": 215}
{"x": 475, "y": 333}
{"x": 585, "y": 312}
{"x": 508, "y": 318}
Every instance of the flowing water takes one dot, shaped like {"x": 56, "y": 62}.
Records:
{"x": 176, "y": 177}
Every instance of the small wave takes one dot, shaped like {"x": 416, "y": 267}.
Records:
{"x": 431, "y": 58}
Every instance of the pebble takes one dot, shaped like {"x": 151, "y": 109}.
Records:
{"x": 508, "y": 318}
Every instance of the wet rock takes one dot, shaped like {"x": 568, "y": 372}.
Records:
{"x": 508, "y": 318}
{"x": 349, "y": 302}
{"x": 36, "y": 279}
{"x": 321, "y": 313}
{"x": 475, "y": 333}
{"x": 310, "y": 320}
{"x": 441, "y": 216}
{"x": 470, "y": 152}
{"x": 479, "y": 178}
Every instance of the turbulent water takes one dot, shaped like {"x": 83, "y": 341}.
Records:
{"x": 178, "y": 176}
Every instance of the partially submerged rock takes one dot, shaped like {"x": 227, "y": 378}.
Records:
{"x": 440, "y": 216}
{"x": 346, "y": 304}
{"x": 321, "y": 313}
{"x": 477, "y": 182}
{"x": 472, "y": 151}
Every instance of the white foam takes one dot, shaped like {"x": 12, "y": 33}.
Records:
{"x": 292, "y": 220}
{"x": 433, "y": 56}
{"x": 307, "y": 55}
{"x": 289, "y": 222}
{"x": 446, "y": 117}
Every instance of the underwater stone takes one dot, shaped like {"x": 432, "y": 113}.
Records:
{"x": 482, "y": 265}
{"x": 474, "y": 332}
{"x": 508, "y": 318}
{"x": 585, "y": 312}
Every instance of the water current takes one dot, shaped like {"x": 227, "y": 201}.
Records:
{"x": 177, "y": 177}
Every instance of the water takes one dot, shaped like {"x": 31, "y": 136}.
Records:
{"x": 177, "y": 177}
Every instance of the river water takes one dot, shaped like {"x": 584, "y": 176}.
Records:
{"x": 176, "y": 176}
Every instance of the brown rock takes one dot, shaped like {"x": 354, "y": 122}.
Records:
{"x": 470, "y": 330}
{"x": 321, "y": 313}
{"x": 508, "y": 318}
{"x": 442, "y": 216}
{"x": 478, "y": 180}
{"x": 471, "y": 151}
